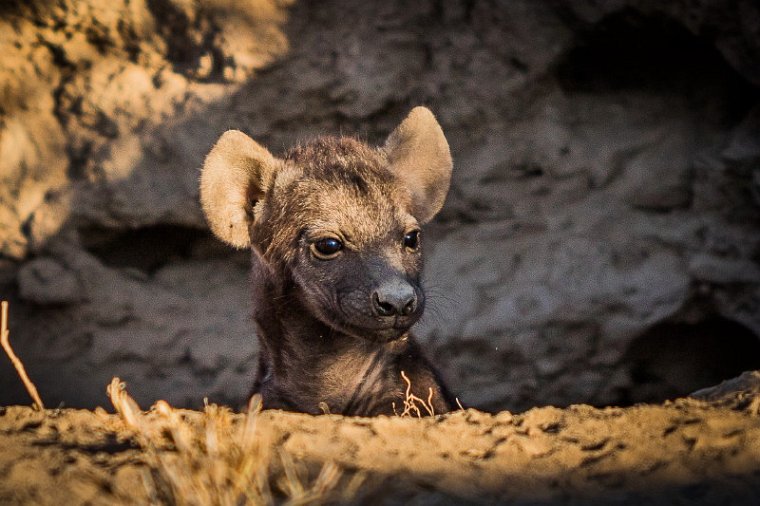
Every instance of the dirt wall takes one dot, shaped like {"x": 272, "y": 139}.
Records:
{"x": 600, "y": 243}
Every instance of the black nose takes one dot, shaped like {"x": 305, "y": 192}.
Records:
{"x": 394, "y": 297}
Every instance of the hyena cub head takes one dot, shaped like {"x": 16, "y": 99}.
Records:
{"x": 335, "y": 223}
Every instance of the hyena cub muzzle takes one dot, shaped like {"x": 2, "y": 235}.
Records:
{"x": 334, "y": 231}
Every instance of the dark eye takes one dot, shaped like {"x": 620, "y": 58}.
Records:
{"x": 326, "y": 248}
{"x": 412, "y": 239}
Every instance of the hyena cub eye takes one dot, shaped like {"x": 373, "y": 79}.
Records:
{"x": 326, "y": 248}
{"x": 412, "y": 240}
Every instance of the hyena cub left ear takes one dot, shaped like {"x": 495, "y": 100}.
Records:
{"x": 419, "y": 157}
{"x": 236, "y": 174}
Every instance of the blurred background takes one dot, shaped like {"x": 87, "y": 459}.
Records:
{"x": 599, "y": 245}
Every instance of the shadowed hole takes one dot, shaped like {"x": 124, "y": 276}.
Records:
{"x": 675, "y": 359}
{"x": 148, "y": 248}
{"x": 630, "y": 52}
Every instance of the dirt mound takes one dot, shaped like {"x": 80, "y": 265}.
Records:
{"x": 691, "y": 451}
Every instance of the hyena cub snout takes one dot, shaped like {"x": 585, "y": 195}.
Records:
{"x": 396, "y": 302}
{"x": 364, "y": 294}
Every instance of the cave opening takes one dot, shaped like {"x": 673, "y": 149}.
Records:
{"x": 656, "y": 55}
{"x": 674, "y": 359}
{"x": 148, "y": 248}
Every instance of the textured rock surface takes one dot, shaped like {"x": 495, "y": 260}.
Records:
{"x": 600, "y": 243}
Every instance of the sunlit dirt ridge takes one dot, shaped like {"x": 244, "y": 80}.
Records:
{"x": 702, "y": 451}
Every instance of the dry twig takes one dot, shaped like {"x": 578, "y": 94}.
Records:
{"x": 412, "y": 403}
{"x": 6, "y": 343}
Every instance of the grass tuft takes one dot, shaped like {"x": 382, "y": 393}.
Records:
{"x": 223, "y": 460}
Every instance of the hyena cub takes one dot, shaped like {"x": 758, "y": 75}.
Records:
{"x": 334, "y": 230}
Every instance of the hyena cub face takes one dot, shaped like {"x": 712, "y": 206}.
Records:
{"x": 352, "y": 245}
{"x": 335, "y": 222}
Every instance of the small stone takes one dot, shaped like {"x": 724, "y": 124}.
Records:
{"x": 45, "y": 281}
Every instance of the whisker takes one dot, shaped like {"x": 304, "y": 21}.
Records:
{"x": 439, "y": 292}
{"x": 433, "y": 315}
{"x": 438, "y": 297}
{"x": 437, "y": 303}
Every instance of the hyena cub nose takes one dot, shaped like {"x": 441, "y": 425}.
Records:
{"x": 395, "y": 297}
{"x": 334, "y": 232}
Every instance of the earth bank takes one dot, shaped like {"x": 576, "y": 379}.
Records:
{"x": 699, "y": 450}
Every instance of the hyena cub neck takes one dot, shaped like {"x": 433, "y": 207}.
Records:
{"x": 334, "y": 230}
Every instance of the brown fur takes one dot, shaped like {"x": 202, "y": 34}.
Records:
{"x": 323, "y": 338}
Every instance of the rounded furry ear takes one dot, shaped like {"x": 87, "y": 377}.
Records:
{"x": 419, "y": 157}
{"x": 236, "y": 173}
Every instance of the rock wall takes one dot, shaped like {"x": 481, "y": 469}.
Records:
{"x": 600, "y": 243}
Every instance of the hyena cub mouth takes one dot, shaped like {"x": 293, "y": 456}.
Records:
{"x": 334, "y": 231}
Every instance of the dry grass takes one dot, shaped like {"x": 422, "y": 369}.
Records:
{"x": 413, "y": 405}
{"x": 20, "y": 369}
{"x": 218, "y": 458}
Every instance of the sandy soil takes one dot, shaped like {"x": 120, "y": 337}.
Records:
{"x": 699, "y": 450}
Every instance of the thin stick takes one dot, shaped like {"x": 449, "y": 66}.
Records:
{"x": 5, "y": 341}
{"x": 411, "y": 401}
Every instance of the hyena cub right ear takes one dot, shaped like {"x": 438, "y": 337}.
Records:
{"x": 419, "y": 157}
{"x": 236, "y": 174}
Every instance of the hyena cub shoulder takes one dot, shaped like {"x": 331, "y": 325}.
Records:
{"x": 334, "y": 230}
